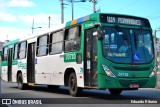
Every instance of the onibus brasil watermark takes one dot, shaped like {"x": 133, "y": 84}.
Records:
{"x": 20, "y": 101}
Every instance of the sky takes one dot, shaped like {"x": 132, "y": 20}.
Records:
{"x": 16, "y": 16}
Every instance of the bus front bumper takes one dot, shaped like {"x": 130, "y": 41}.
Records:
{"x": 108, "y": 82}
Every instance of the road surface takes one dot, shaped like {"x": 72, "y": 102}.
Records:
{"x": 94, "y": 97}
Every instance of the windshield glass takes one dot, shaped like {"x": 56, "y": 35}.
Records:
{"x": 123, "y": 45}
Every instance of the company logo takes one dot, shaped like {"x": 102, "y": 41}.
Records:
{"x": 6, "y": 101}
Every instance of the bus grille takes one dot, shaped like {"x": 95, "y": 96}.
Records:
{"x": 128, "y": 82}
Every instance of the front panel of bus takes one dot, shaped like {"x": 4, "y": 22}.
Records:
{"x": 126, "y": 56}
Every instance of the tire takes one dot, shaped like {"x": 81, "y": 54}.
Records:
{"x": 115, "y": 91}
{"x": 21, "y": 85}
{"x": 72, "y": 83}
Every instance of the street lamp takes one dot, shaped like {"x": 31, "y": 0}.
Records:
{"x": 33, "y": 26}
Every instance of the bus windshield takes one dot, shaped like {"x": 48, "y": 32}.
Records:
{"x": 126, "y": 45}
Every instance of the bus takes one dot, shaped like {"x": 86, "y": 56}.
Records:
{"x": 97, "y": 51}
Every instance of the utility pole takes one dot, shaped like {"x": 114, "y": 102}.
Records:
{"x": 32, "y": 25}
{"x": 72, "y": 9}
{"x": 94, "y": 6}
{"x": 49, "y": 21}
{"x": 62, "y": 12}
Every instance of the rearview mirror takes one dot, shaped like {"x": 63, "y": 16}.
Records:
{"x": 98, "y": 33}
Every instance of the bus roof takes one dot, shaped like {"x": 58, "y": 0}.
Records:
{"x": 10, "y": 43}
{"x": 95, "y": 15}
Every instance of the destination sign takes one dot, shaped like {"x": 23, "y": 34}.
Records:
{"x": 114, "y": 19}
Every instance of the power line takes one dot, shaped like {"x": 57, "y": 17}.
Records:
{"x": 154, "y": 17}
{"x": 84, "y": 7}
{"x": 153, "y": 13}
{"x": 132, "y": 3}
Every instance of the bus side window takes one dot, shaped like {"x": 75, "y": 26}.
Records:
{"x": 5, "y": 53}
{"x": 42, "y": 45}
{"x": 22, "y": 50}
{"x": 15, "y": 55}
{"x": 72, "y": 39}
{"x": 56, "y": 42}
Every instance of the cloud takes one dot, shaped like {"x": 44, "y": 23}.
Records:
{"x": 3, "y": 5}
{"x": 40, "y": 19}
{"x": 12, "y": 33}
{"x": 7, "y": 17}
{"x": 25, "y": 23}
{"x": 21, "y": 3}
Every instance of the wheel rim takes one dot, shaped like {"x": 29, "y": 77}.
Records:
{"x": 72, "y": 84}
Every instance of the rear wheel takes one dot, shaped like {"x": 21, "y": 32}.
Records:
{"x": 115, "y": 91}
{"x": 21, "y": 85}
{"x": 72, "y": 82}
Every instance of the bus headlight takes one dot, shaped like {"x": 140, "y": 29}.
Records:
{"x": 108, "y": 72}
{"x": 153, "y": 72}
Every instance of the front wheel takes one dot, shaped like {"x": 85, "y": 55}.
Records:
{"x": 72, "y": 82}
{"x": 21, "y": 85}
{"x": 115, "y": 91}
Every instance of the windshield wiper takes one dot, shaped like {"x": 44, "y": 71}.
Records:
{"x": 118, "y": 29}
{"x": 135, "y": 40}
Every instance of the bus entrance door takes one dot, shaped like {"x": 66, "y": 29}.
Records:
{"x": 31, "y": 63}
{"x": 10, "y": 65}
{"x": 90, "y": 59}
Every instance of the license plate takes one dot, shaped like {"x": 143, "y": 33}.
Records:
{"x": 134, "y": 85}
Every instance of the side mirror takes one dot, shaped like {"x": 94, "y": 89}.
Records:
{"x": 98, "y": 33}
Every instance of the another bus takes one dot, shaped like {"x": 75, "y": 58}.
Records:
{"x": 98, "y": 51}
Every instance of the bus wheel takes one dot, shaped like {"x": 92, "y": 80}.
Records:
{"x": 115, "y": 91}
{"x": 21, "y": 85}
{"x": 72, "y": 82}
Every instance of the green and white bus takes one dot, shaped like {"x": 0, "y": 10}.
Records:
{"x": 98, "y": 51}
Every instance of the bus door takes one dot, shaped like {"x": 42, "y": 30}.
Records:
{"x": 90, "y": 65}
{"x": 31, "y": 63}
{"x": 10, "y": 65}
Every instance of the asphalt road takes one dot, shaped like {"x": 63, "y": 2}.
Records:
{"x": 10, "y": 90}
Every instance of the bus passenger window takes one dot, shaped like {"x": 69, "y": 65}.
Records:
{"x": 15, "y": 51}
{"x": 56, "y": 42}
{"x": 22, "y": 50}
{"x": 72, "y": 40}
{"x": 5, "y": 52}
{"x": 42, "y": 46}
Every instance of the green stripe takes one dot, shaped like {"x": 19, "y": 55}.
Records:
{"x": 70, "y": 57}
{"x": 5, "y": 63}
{"x": 14, "y": 62}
